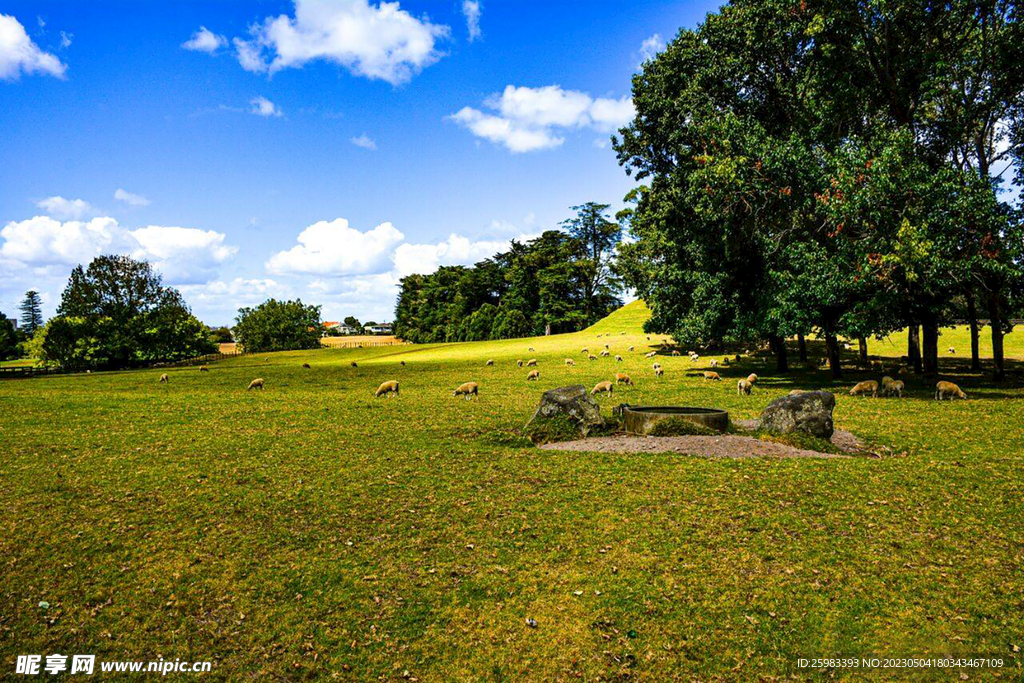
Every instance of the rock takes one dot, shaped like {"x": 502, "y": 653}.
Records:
{"x": 809, "y": 412}
{"x": 572, "y": 403}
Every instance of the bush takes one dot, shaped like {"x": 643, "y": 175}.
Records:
{"x": 278, "y": 326}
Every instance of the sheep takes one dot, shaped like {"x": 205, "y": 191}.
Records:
{"x": 490, "y": 361}
{"x": 164, "y": 378}
{"x": 402, "y": 363}
{"x": 602, "y": 388}
{"x": 570, "y": 361}
{"x": 604, "y": 353}
{"x": 256, "y": 384}
{"x": 630, "y": 349}
{"x": 752, "y": 378}
{"x": 203, "y": 368}
{"x": 713, "y": 376}
{"x": 744, "y": 387}
{"x": 591, "y": 357}
{"x": 530, "y": 349}
{"x": 652, "y": 354}
{"x": 534, "y": 375}
{"x": 606, "y": 346}
{"x": 714, "y": 363}
{"x": 952, "y": 351}
{"x": 387, "y": 388}
{"x": 866, "y": 387}
{"x": 737, "y": 358}
{"x": 532, "y": 363}
{"x": 895, "y": 388}
{"x": 725, "y": 361}
{"x": 618, "y": 358}
{"x": 886, "y": 381}
{"x": 585, "y": 351}
{"x": 469, "y": 389}
{"x": 623, "y": 378}
{"x": 877, "y": 365}
{"x": 658, "y": 371}
{"x": 353, "y": 364}
{"x": 904, "y": 370}
{"x": 305, "y": 366}
{"x": 656, "y": 365}
{"x": 943, "y": 389}
{"x": 694, "y": 358}
{"x": 797, "y": 392}
{"x": 519, "y": 363}
{"x": 675, "y": 352}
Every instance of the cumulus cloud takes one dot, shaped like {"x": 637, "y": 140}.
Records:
{"x": 454, "y": 251}
{"x": 261, "y": 106}
{"x": 18, "y": 54}
{"x": 130, "y": 198}
{"x": 650, "y": 48}
{"x": 205, "y": 40}
{"x": 380, "y": 41}
{"x": 334, "y": 248}
{"x": 530, "y": 119}
{"x": 364, "y": 141}
{"x": 66, "y": 208}
{"x": 471, "y": 10}
{"x": 181, "y": 254}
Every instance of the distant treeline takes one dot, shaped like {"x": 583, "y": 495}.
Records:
{"x": 558, "y": 282}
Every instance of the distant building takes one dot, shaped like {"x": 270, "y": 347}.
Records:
{"x": 14, "y": 321}
{"x": 339, "y": 327}
{"x": 381, "y": 328}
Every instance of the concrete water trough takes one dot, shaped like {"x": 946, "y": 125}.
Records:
{"x": 642, "y": 419}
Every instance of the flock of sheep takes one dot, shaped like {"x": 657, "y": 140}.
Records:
{"x": 888, "y": 386}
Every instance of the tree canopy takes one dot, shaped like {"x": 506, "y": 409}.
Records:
{"x": 278, "y": 326}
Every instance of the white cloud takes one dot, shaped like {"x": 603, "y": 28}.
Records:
{"x": 65, "y": 39}
{"x": 130, "y": 198}
{"x": 376, "y": 41}
{"x": 18, "y": 54}
{"x": 181, "y": 254}
{"x": 456, "y": 250}
{"x": 66, "y": 208}
{"x": 205, "y": 40}
{"x": 333, "y": 248}
{"x": 261, "y": 106}
{"x": 531, "y": 119}
{"x": 364, "y": 141}
{"x": 471, "y": 10}
{"x": 650, "y": 48}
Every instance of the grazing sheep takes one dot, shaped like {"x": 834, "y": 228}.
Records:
{"x": 599, "y": 336}
{"x": 530, "y": 349}
{"x": 752, "y": 378}
{"x": 652, "y": 354}
{"x": 630, "y": 349}
{"x": 604, "y": 353}
{"x": 656, "y": 365}
{"x": 675, "y": 352}
{"x": 618, "y": 358}
{"x": 714, "y": 363}
{"x": 592, "y": 357}
{"x": 490, "y": 361}
{"x": 469, "y": 389}
{"x": 744, "y": 387}
{"x": 725, "y": 361}
{"x": 895, "y": 388}
{"x": 306, "y": 366}
{"x": 387, "y": 388}
{"x": 658, "y": 371}
{"x": 708, "y": 374}
{"x": 602, "y": 388}
{"x": 354, "y": 364}
{"x": 534, "y": 375}
{"x": 694, "y": 358}
{"x": 256, "y": 384}
{"x": 606, "y": 346}
{"x": 570, "y": 361}
{"x": 623, "y": 378}
{"x": 519, "y": 363}
{"x": 164, "y": 378}
{"x": 585, "y": 351}
{"x": 532, "y": 363}
{"x": 877, "y": 365}
{"x": 203, "y": 368}
{"x": 886, "y": 381}
{"x": 904, "y": 370}
{"x": 648, "y": 337}
{"x": 943, "y": 389}
{"x": 402, "y": 363}
{"x": 866, "y": 387}
{"x": 952, "y": 351}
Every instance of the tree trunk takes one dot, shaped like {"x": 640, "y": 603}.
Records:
{"x": 913, "y": 347}
{"x": 863, "y": 344}
{"x": 834, "y": 361}
{"x": 547, "y": 329}
{"x": 803, "y": 347}
{"x": 930, "y": 346}
{"x": 996, "y": 322}
{"x": 779, "y": 346}
{"x": 972, "y": 318}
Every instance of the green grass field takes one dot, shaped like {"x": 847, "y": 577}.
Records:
{"x": 311, "y": 530}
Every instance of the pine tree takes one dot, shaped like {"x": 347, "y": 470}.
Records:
{"x": 31, "y": 312}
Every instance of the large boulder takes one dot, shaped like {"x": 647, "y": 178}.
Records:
{"x": 566, "y": 405}
{"x": 809, "y": 412}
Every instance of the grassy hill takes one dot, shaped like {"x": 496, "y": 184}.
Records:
{"x": 311, "y": 530}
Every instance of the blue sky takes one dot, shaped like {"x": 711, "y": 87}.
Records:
{"x": 318, "y": 149}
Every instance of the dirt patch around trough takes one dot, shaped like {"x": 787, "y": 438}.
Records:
{"x": 724, "y": 446}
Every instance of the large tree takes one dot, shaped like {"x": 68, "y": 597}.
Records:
{"x": 31, "y": 312}
{"x": 278, "y": 326}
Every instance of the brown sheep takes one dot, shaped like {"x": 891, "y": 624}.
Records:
{"x": 752, "y": 378}
{"x": 714, "y": 376}
{"x": 623, "y": 378}
{"x": 203, "y": 368}
{"x": 658, "y": 371}
{"x": 943, "y": 389}
{"x": 886, "y": 381}
{"x": 305, "y": 366}
{"x": 164, "y": 378}
{"x": 602, "y": 388}
{"x": 402, "y": 363}
{"x": 894, "y": 388}
{"x": 570, "y": 361}
{"x": 490, "y": 361}
{"x": 744, "y": 387}
{"x": 675, "y": 352}
{"x": 532, "y": 363}
{"x": 534, "y": 375}
{"x": 387, "y": 389}
{"x": 256, "y": 384}
{"x": 866, "y": 387}
{"x": 469, "y": 389}
{"x": 353, "y": 364}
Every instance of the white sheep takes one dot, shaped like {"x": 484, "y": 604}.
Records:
{"x": 256, "y": 384}
{"x": 570, "y": 361}
{"x": 534, "y": 375}
{"x": 490, "y": 361}
{"x": 532, "y": 363}
{"x": 714, "y": 376}
{"x": 387, "y": 389}
{"x": 602, "y": 388}
{"x": 618, "y": 358}
{"x": 469, "y": 390}
{"x": 943, "y": 389}
{"x": 744, "y": 387}
{"x": 866, "y": 387}
{"x": 164, "y": 378}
